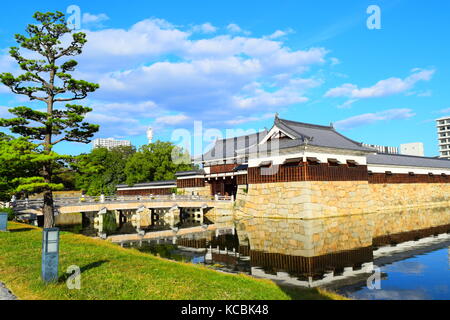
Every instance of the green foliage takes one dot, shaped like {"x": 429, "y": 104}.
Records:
{"x": 17, "y": 159}
{"x": 102, "y": 170}
{"x": 10, "y": 212}
{"x": 46, "y": 78}
{"x": 156, "y": 162}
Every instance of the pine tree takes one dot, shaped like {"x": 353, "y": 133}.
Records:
{"x": 47, "y": 79}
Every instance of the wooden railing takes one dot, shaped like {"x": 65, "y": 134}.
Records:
{"x": 307, "y": 172}
{"x": 86, "y": 200}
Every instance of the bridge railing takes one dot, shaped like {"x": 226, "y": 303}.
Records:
{"x": 38, "y": 203}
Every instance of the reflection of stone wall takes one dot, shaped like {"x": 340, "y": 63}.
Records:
{"x": 398, "y": 196}
{"x": 68, "y": 219}
{"x": 309, "y": 238}
{"x": 307, "y": 200}
{"x": 386, "y": 223}
{"x": 316, "y": 237}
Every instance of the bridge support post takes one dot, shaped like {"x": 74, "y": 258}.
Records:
{"x": 98, "y": 222}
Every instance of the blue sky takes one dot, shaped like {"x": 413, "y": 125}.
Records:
{"x": 234, "y": 64}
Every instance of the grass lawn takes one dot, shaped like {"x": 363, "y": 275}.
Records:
{"x": 112, "y": 272}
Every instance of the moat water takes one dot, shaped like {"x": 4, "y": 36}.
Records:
{"x": 386, "y": 265}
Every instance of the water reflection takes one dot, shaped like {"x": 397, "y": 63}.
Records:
{"x": 122, "y": 223}
{"x": 338, "y": 253}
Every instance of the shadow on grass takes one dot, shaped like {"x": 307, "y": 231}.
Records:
{"x": 297, "y": 293}
{"x": 20, "y": 230}
{"x": 87, "y": 267}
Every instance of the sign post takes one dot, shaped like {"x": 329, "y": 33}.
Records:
{"x": 50, "y": 255}
{"x": 3, "y": 221}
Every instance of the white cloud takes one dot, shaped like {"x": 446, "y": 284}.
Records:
{"x": 94, "y": 19}
{"x": 156, "y": 72}
{"x": 234, "y": 28}
{"x": 245, "y": 119}
{"x": 204, "y": 28}
{"x": 370, "y": 118}
{"x": 447, "y": 110}
{"x": 382, "y": 88}
{"x": 172, "y": 119}
{"x": 279, "y": 34}
{"x": 334, "y": 61}
{"x": 347, "y": 104}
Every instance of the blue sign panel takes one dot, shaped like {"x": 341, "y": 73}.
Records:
{"x": 50, "y": 255}
{"x": 3, "y": 221}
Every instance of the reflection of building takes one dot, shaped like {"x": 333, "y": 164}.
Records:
{"x": 412, "y": 149}
{"x": 110, "y": 143}
{"x": 443, "y": 127}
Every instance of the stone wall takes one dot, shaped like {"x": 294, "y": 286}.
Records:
{"x": 399, "y": 196}
{"x": 306, "y": 199}
{"x": 319, "y": 199}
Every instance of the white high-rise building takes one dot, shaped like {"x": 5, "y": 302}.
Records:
{"x": 412, "y": 149}
{"x": 110, "y": 143}
{"x": 443, "y": 127}
{"x": 150, "y": 135}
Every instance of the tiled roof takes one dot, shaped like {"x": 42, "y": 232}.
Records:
{"x": 150, "y": 184}
{"x": 302, "y": 134}
{"x": 404, "y": 160}
{"x": 317, "y": 135}
{"x": 190, "y": 173}
{"x": 227, "y": 148}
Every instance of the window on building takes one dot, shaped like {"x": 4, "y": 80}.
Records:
{"x": 352, "y": 163}
{"x": 313, "y": 161}
{"x": 333, "y": 163}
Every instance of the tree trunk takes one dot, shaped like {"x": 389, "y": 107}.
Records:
{"x": 49, "y": 221}
{"x": 48, "y": 209}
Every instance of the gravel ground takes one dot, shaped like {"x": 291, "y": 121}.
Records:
{"x": 5, "y": 294}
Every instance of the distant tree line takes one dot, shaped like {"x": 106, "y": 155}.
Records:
{"x": 94, "y": 173}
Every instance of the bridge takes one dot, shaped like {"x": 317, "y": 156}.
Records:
{"x": 160, "y": 203}
{"x": 141, "y": 211}
{"x": 95, "y": 204}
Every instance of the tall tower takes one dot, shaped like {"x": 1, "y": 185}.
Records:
{"x": 443, "y": 126}
{"x": 150, "y": 134}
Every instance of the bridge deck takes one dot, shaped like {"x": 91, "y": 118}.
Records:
{"x": 93, "y": 204}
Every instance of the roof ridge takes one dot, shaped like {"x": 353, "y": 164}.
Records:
{"x": 351, "y": 140}
{"x": 307, "y": 124}
{"x": 411, "y": 156}
{"x": 245, "y": 135}
{"x": 279, "y": 122}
